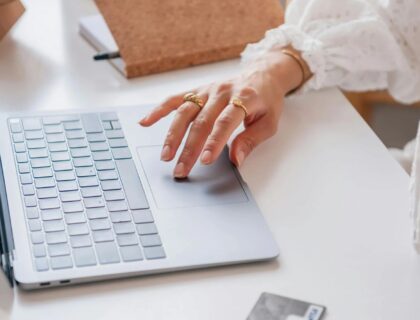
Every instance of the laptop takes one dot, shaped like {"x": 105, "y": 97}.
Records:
{"x": 85, "y": 197}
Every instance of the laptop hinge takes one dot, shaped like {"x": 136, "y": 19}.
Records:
{"x": 6, "y": 235}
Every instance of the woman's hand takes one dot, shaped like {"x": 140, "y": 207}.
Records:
{"x": 261, "y": 88}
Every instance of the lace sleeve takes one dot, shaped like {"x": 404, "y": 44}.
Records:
{"x": 357, "y": 45}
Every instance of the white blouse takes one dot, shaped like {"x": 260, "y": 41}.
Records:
{"x": 358, "y": 45}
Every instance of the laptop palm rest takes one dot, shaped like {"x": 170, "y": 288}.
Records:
{"x": 206, "y": 186}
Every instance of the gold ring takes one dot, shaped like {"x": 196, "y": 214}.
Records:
{"x": 192, "y": 97}
{"x": 236, "y": 102}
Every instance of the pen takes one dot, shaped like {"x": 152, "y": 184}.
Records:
{"x": 106, "y": 55}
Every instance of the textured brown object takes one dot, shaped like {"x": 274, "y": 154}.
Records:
{"x": 160, "y": 35}
{"x": 9, "y": 13}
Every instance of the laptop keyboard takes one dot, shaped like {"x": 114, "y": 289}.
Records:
{"x": 84, "y": 202}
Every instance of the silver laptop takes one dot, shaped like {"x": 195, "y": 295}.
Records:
{"x": 84, "y": 197}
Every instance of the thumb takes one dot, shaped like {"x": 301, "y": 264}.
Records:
{"x": 250, "y": 138}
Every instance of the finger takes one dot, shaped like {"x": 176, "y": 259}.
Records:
{"x": 162, "y": 110}
{"x": 225, "y": 125}
{"x": 200, "y": 129}
{"x": 185, "y": 114}
{"x": 255, "y": 133}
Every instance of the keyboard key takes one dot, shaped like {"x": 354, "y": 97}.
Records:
{"x": 77, "y": 229}
{"x": 91, "y": 123}
{"x": 69, "y": 118}
{"x": 75, "y": 134}
{"x": 78, "y": 217}
{"x": 21, "y": 157}
{"x": 97, "y": 213}
{"x": 30, "y": 201}
{"x": 121, "y": 216}
{"x": 127, "y": 239}
{"x": 62, "y": 166}
{"x": 62, "y": 262}
{"x": 59, "y": 249}
{"x": 28, "y": 190}
{"x": 18, "y": 137}
{"x": 84, "y": 257}
{"x": 115, "y": 124}
{"x": 94, "y": 202}
{"x": 108, "y": 116}
{"x": 83, "y": 162}
{"x": 56, "y": 237}
{"x": 88, "y": 182}
{"x": 107, "y": 253}
{"x": 88, "y": 192}
{"x": 69, "y": 196}
{"x": 118, "y": 143}
{"x": 32, "y": 135}
{"x": 51, "y": 214}
{"x": 114, "y": 134}
{"x": 80, "y": 241}
{"x": 154, "y": 253}
{"x": 24, "y": 168}
{"x": 60, "y": 156}
{"x": 85, "y": 172}
{"x": 80, "y": 152}
{"x": 37, "y": 237}
{"x": 34, "y": 225}
{"x": 45, "y": 193}
{"x": 74, "y": 125}
{"x": 146, "y": 228}
{"x": 104, "y": 165}
{"x": 150, "y": 240}
{"x": 99, "y": 224}
{"x": 20, "y": 147}
{"x": 31, "y": 124}
{"x": 96, "y": 137}
{"x": 114, "y": 195}
{"x": 38, "y": 153}
{"x": 53, "y": 128}
{"x": 51, "y": 120}
{"x": 35, "y": 144}
{"x": 96, "y": 146}
{"x": 32, "y": 213}
{"x": 42, "y": 172}
{"x": 121, "y": 153}
{"x": 107, "y": 125}
{"x": 57, "y": 146}
{"x": 116, "y": 206}
{"x": 74, "y": 206}
{"x": 26, "y": 178}
{"x": 40, "y": 163}
{"x": 39, "y": 250}
{"x": 101, "y": 155}
{"x": 55, "y": 137}
{"x": 65, "y": 175}
{"x": 108, "y": 175}
{"x": 110, "y": 185}
{"x": 53, "y": 225}
{"x": 142, "y": 216}
{"x": 124, "y": 227}
{"x": 49, "y": 203}
{"x": 15, "y": 125}
{"x": 44, "y": 182}
{"x": 131, "y": 253}
{"x": 41, "y": 264}
{"x": 77, "y": 143}
{"x": 67, "y": 186}
{"x": 132, "y": 186}
{"x": 103, "y": 235}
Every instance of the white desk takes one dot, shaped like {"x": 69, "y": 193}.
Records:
{"x": 335, "y": 200}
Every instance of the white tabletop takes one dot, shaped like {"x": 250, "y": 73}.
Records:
{"x": 335, "y": 200}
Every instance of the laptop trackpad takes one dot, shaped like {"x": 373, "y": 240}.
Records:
{"x": 206, "y": 185}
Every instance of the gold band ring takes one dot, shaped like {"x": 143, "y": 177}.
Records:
{"x": 192, "y": 97}
{"x": 236, "y": 102}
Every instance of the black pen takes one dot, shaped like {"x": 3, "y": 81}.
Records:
{"x": 106, "y": 55}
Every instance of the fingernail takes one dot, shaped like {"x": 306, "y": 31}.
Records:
{"x": 166, "y": 153}
{"x": 206, "y": 157}
{"x": 240, "y": 157}
{"x": 179, "y": 171}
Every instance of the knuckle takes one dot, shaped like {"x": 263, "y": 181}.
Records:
{"x": 183, "y": 109}
{"x": 223, "y": 88}
{"x": 187, "y": 154}
{"x": 212, "y": 142}
{"x": 201, "y": 124}
{"x": 249, "y": 143}
{"x": 248, "y": 92}
{"x": 170, "y": 137}
{"x": 224, "y": 121}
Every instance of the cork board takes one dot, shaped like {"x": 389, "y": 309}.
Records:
{"x": 161, "y": 35}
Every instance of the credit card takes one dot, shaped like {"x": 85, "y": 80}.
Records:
{"x": 273, "y": 307}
